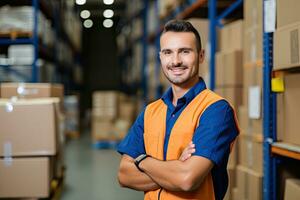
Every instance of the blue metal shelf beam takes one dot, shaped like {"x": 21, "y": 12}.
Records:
{"x": 213, "y": 23}
{"x": 229, "y": 10}
{"x": 5, "y": 41}
{"x": 212, "y": 38}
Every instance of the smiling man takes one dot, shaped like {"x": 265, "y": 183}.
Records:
{"x": 179, "y": 145}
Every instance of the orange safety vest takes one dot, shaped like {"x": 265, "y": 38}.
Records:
{"x": 181, "y": 134}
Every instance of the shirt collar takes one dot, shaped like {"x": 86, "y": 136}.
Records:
{"x": 188, "y": 97}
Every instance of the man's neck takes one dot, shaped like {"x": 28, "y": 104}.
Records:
{"x": 180, "y": 90}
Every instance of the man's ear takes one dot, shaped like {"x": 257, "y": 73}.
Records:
{"x": 201, "y": 55}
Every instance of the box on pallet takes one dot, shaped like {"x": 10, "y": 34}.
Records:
{"x": 105, "y": 104}
{"x": 233, "y": 157}
{"x": 253, "y": 13}
{"x": 251, "y": 152}
{"x": 231, "y": 36}
{"x": 249, "y": 184}
{"x": 102, "y": 129}
{"x": 253, "y": 46}
{"x": 252, "y": 78}
{"x": 29, "y": 127}
{"x": 288, "y": 110}
{"x": 232, "y": 94}
{"x": 286, "y": 47}
{"x": 202, "y": 26}
{"x": 229, "y": 69}
{"x": 31, "y": 90}
{"x": 25, "y": 177}
{"x": 287, "y": 12}
{"x": 292, "y": 189}
{"x": 231, "y": 183}
{"x": 72, "y": 115}
{"x": 243, "y": 118}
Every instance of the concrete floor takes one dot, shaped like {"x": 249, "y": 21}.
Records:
{"x": 91, "y": 174}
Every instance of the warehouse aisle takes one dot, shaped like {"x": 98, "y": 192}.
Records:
{"x": 91, "y": 174}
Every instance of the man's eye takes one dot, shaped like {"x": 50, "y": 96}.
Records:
{"x": 167, "y": 52}
{"x": 186, "y": 51}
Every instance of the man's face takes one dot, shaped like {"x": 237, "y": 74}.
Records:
{"x": 179, "y": 57}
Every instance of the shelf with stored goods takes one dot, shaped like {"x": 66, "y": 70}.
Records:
{"x": 38, "y": 26}
{"x": 286, "y": 150}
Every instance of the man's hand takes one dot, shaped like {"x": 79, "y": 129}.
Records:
{"x": 187, "y": 152}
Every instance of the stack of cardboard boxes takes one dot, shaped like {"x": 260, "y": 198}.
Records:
{"x": 104, "y": 113}
{"x": 112, "y": 115}
{"x": 202, "y": 26}
{"x": 250, "y": 147}
{"x": 286, "y": 57}
{"x": 229, "y": 81}
{"x": 229, "y": 60}
{"x": 31, "y": 139}
{"x": 71, "y": 107}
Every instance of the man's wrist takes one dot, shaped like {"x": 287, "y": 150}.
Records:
{"x": 139, "y": 159}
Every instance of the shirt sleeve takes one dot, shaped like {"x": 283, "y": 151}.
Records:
{"x": 216, "y": 131}
{"x": 133, "y": 143}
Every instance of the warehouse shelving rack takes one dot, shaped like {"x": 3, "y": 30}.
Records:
{"x": 27, "y": 40}
{"x": 273, "y": 151}
{"x": 46, "y": 52}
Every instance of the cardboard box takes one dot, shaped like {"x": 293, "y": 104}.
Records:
{"x": 243, "y": 118}
{"x": 249, "y": 184}
{"x": 287, "y": 12}
{"x": 25, "y": 177}
{"x": 253, "y": 76}
{"x": 234, "y": 195}
{"x": 288, "y": 105}
{"x": 32, "y": 90}
{"x": 229, "y": 69}
{"x": 232, "y": 94}
{"x": 253, "y": 47}
{"x": 233, "y": 157}
{"x": 102, "y": 129}
{"x": 28, "y": 127}
{"x": 251, "y": 152}
{"x": 231, "y": 36}
{"x": 292, "y": 189}
{"x": 202, "y": 26}
{"x": 287, "y": 38}
{"x": 253, "y": 13}
{"x": 105, "y": 98}
{"x": 231, "y": 183}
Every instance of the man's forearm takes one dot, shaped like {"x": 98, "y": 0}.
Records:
{"x": 176, "y": 175}
{"x": 129, "y": 176}
{"x": 169, "y": 174}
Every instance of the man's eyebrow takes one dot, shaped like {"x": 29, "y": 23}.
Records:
{"x": 180, "y": 49}
{"x": 185, "y": 48}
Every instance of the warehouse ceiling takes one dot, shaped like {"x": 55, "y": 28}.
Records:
{"x": 96, "y": 9}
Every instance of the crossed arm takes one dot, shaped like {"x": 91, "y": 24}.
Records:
{"x": 185, "y": 174}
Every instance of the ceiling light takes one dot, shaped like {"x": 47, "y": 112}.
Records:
{"x": 108, "y": 2}
{"x": 80, "y": 2}
{"x": 108, "y": 13}
{"x": 88, "y": 23}
{"x": 84, "y": 14}
{"x": 107, "y": 23}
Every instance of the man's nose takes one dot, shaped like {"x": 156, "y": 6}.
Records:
{"x": 176, "y": 60}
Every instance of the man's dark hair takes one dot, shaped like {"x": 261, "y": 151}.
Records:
{"x": 183, "y": 26}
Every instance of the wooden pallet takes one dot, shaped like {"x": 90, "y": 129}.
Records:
{"x": 72, "y": 134}
{"x": 14, "y": 34}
